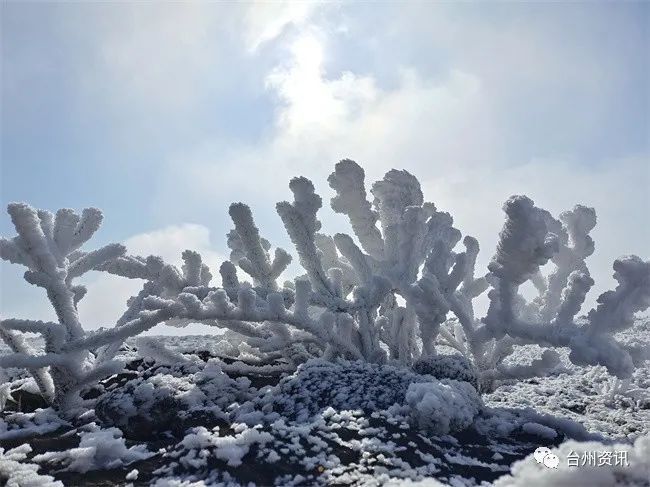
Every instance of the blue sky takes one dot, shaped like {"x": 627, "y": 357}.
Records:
{"x": 163, "y": 114}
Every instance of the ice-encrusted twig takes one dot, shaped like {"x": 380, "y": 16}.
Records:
{"x": 249, "y": 250}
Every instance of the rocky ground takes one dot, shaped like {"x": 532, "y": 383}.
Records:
{"x": 215, "y": 421}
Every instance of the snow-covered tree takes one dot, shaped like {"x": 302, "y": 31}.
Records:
{"x": 348, "y": 302}
{"x": 49, "y": 246}
{"x": 392, "y": 293}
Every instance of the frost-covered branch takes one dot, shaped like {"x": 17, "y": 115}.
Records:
{"x": 525, "y": 244}
{"x": 49, "y": 246}
{"x": 348, "y": 182}
{"x": 250, "y": 251}
{"x": 300, "y": 221}
{"x": 394, "y": 290}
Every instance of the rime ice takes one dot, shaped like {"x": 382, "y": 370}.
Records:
{"x": 360, "y": 341}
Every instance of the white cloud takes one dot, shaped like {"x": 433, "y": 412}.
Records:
{"x": 265, "y": 21}
{"x": 170, "y": 242}
{"x": 166, "y": 59}
{"x": 320, "y": 120}
{"x": 449, "y": 132}
{"x": 153, "y": 56}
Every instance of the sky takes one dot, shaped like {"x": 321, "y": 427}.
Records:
{"x": 163, "y": 114}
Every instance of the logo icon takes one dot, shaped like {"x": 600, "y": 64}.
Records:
{"x": 544, "y": 456}
{"x": 551, "y": 460}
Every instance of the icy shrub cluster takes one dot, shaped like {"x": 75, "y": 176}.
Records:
{"x": 49, "y": 246}
{"x": 386, "y": 295}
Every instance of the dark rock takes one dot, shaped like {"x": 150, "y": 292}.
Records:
{"x": 171, "y": 401}
{"x": 25, "y": 401}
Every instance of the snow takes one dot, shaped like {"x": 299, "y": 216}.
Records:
{"x": 443, "y": 407}
{"x": 17, "y": 472}
{"x": 326, "y": 408}
{"x": 17, "y": 424}
{"x": 132, "y": 475}
{"x": 99, "y": 449}
{"x": 5, "y": 395}
{"x": 228, "y": 448}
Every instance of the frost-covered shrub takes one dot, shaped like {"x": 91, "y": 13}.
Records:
{"x": 171, "y": 400}
{"x": 390, "y": 294}
{"x": 49, "y": 246}
{"x": 347, "y": 302}
{"x": 443, "y": 406}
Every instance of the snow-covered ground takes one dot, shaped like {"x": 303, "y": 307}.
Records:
{"x": 210, "y": 421}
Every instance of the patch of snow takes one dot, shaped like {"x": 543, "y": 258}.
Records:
{"x": 22, "y": 425}
{"x": 444, "y": 406}
{"x": 98, "y": 449}
{"x": 132, "y": 475}
{"x": 16, "y": 472}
